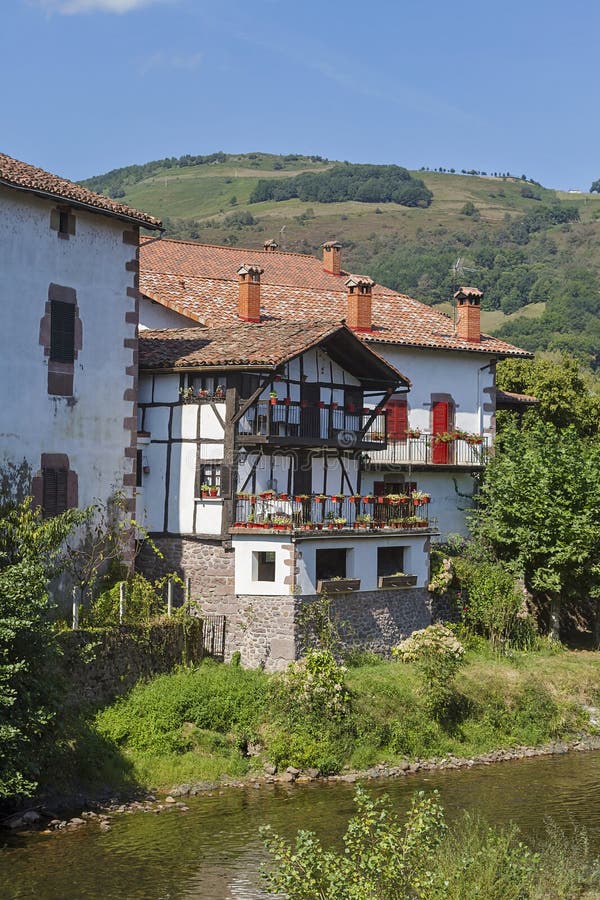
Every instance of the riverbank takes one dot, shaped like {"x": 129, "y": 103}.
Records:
{"x": 203, "y": 728}
{"x": 104, "y": 815}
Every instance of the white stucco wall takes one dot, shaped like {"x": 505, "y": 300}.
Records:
{"x": 155, "y": 315}
{"x": 361, "y": 561}
{"x": 467, "y": 377}
{"x": 88, "y": 427}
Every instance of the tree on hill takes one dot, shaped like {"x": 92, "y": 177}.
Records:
{"x": 595, "y": 188}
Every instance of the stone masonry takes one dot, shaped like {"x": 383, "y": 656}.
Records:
{"x": 265, "y": 629}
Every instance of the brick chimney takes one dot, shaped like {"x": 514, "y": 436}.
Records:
{"x": 359, "y": 290}
{"x": 332, "y": 257}
{"x": 468, "y": 313}
{"x": 271, "y": 246}
{"x": 249, "y": 293}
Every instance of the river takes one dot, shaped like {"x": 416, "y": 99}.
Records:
{"x": 214, "y": 850}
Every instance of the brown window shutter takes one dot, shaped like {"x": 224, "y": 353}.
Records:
{"x": 62, "y": 331}
{"x": 226, "y": 480}
{"x": 54, "y": 498}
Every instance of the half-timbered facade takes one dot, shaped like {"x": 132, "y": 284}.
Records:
{"x": 440, "y": 434}
{"x": 252, "y": 443}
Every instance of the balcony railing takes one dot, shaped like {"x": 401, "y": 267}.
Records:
{"x": 294, "y": 422}
{"x": 332, "y": 513}
{"x": 434, "y": 450}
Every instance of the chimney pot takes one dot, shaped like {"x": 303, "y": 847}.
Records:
{"x": 249, "y": 292}
{"x": 359, "y": 299}
{"x": 332, "y": 257}
{"x": 271, "y": 246}
{"x": 468, "y": 313}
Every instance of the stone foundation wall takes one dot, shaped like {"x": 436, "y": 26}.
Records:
{"x": 377, "y": 620}
{"x": 99, "y": 665}
{"x": 208, "y": 564}
{"x": 265, "y": 629}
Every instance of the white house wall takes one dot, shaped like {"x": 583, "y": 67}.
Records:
{"x": 469, "y": 378}
{"x": 93, "y": 426}
{"x": 180, "y": 435}
{"x": 361, "y": 561}
{"x": 155, "y": 315}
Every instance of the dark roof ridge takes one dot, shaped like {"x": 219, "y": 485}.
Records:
{"x": 238, "y": 249}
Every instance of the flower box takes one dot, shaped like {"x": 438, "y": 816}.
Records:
{"x": 338, "y": 585}
{"x": 397, "y": 581}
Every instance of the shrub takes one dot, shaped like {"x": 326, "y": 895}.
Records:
{"x": 437, "y": 654}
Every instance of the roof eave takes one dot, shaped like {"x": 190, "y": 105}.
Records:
{"x": 79, "y": 204}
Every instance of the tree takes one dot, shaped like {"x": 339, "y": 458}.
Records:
{"x": 595, "y": 188}
{"x": 564, "y": 392}
{"x": 539, "y": 509}
{"x": 31, "y": 555}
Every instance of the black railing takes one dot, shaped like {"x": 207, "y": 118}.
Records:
{"x": 321, "y": 423}
{"x": 331, "y": 513}
{"x": 430, "y": 449}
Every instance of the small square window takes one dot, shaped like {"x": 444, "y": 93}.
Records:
{"x": 390, "y": 560}
{"x": 211, "y": 474}
{"x": 263, "y": 565}
{"x": 331, "y": 564}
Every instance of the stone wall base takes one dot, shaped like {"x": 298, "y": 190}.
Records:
{"x": 266, "y": 630}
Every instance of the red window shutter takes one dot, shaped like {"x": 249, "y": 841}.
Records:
{"x": 440, "y": 424}
{"x": 397, "y": 419}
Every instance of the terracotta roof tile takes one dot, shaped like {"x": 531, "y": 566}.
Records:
{"x": 264, "y": 344}
{"x": 199, "y": 281}
{"x": 14, "y": 173}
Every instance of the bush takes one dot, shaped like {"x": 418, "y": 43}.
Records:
{"x": 437, "y": 654}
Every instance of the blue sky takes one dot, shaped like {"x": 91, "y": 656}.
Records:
{"x": 90, "y": 85}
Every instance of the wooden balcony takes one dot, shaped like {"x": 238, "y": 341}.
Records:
{"x": 436, "y": 451}
{"x": 331, "y": 514}
{"x": 297, "y": 424}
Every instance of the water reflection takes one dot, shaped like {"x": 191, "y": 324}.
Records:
{"x": 214, "y": 850}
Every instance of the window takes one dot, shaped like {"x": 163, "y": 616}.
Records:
{"x": 390, "y": 560}
{"x": 211, "y": 474}
{"x": 263, "y": 565}
{"x": 62, "y": 331}
{"x": 63, "y": 221}
{"x": 138, "y": 469}
{"x": 397, "y": 418}
{"x": 54, "y": 492}
{"x": 331, "y": 564}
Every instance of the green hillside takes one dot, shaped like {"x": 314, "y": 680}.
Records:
{"x": 534, "y": 251}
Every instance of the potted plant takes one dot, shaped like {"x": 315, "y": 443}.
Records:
{"x": 337, "y": 498}
{"x": 420, "y": 498}
{"x": 320, "y": 498}
{"x": 414, "y": 433}
{"x": 330, "y": 518}
{"x": 219, "y": 392}
{"x": 204, "y": 490}
{"x": 273, "y": 397}
{"x": 300, "y": 498}
{"x": 267, "y": 495}
{"x": 281, "y": 523}
{"x": 444, "y": 437}
{"x": 397, "y": 580}
{"x": 242, "y": 495}
{"x": 354, "y": 498}
{"x": 213, "y": 491}
{"x": 338, "y": 585}
{"x": 339, "y": 522}
{"x": 368, "y": 498}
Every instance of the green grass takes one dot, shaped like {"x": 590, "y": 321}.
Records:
{"x": 217, "y": 720}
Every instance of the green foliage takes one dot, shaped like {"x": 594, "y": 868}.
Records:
{"x": 563, "y": 390}
{"x": 144, "y": 601}
{"x": 595, "y": 188}
{"x": 364, "y": 183}
{"x": 540, "y": 511}
{"x": 494, "y": 607}
{"x": 160, "y": 716}
{"x": 31, "y": 554}
{"x": 312, "y": 710}
{"x": 424, "y": 859}
{"x": 383, "y": 858}
{"x": 437, "y": 654}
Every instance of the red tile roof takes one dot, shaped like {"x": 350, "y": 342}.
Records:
{"x": 16, "y": 174}
{"x": 265, "y": 345}
{"x": 200, "y": 281}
